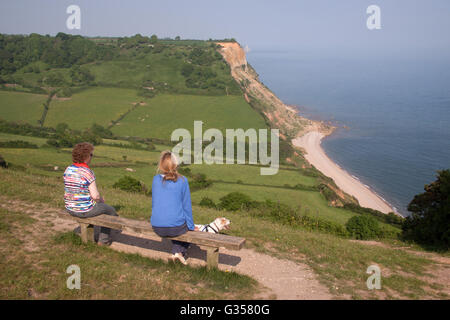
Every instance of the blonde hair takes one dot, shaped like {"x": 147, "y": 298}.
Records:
{"x": 168, "y": 166}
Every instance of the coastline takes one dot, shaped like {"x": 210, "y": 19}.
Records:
{"x": 308, "y": 133}
{"x": 311, "y": 143}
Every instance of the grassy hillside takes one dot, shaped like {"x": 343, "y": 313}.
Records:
{"x": 159, "y": 116}
{"x": 33, "y": 264}
{"x": 111, "y": 162}
{"x": 160, "y": 69}
{"x": 189, "y": 67}
{"x": 339, "y": 263}
{"x": 20, "y": 106}
{"x": 94, "y": 105}
{"x": 158, "y": 86}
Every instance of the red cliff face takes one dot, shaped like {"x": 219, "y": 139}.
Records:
{"x": 279, "y": 114}
{"x": 233, "y": 54}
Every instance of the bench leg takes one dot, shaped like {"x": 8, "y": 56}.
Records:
{"x": 212, "y": 257}
{"x": 87, "y": 232}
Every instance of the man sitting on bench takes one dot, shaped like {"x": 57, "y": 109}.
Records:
{"x": 81, "y": 195}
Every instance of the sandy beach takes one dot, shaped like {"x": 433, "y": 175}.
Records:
{"x": 310, "y": 142}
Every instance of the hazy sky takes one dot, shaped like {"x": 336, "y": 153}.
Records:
{"x": 407, "y": 26}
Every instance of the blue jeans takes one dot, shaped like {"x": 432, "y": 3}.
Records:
{"x": 98, "y": 209}
{"x": 177, "y": 246}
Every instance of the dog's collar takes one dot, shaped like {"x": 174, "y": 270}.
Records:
{"x": 216, "y": 231}
{"x": 210, "y": 226}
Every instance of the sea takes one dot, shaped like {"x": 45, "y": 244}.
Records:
{"x": 392, "y": 113}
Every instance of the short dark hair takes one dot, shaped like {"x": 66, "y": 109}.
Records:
{"x": 81, "y": 152}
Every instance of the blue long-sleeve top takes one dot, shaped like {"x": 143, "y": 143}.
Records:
{"x": 171, "y": 203}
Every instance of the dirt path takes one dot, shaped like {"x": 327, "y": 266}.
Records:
{"x": 284, "y": 279}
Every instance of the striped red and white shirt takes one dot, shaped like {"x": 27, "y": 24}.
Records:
{"x": 77, "y": 179}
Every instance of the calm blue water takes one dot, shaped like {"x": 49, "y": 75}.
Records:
{"x": 397, "y": 112}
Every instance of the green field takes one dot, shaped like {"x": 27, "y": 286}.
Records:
{"x": 165, "y": 113}
{"x": 14, "y": 137}
{"x": 251, "y": 175}
{"x": 153, "y": 118}
{"x": 20, "y": 106}
{"x": 305, "y": 202}
{"x": 110, "y": 165}
{"x": 94, "y": 105}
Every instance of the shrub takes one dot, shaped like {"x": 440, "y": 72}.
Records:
{"x": 101, "y": 131}
{"x": 133, "y": 145}
{"x": 328, "y": 193}
{"x": 146, "y": 93}
{"x": 363, "y": 227}
{"x": 81, "y": 75}
{"x": 185, "y": 171}
{"x": 300, "y": 186}
{"x": 199, "y": 181}
{"x": 3, "y": 163}
{"x": 310, "y": 172}
{"x": 65, "y": 92}
{"x": 66, "y": 138}
{"x": 390, "y": 218}
{"x": 25, "y": 129}
{"x": 201, "y": 56}
{"x": 236, "y": 201}
{"x": 207, "y": 202}
{"x": 54, "y": 79}
{"x": 285, "y": 214}
{"x": 199, "y": 77}
{"x": 131, "y": 184}
{"x": 187, "y": 69}
{"x": 17, "y": 144}
{"x": 277, "y": 212}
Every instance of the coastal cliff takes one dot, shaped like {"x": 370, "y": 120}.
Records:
{"x": 297, "y": 131}
{"x": 278, "y": 114}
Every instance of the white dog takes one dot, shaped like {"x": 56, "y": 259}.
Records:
{"x": 214, "y": 227}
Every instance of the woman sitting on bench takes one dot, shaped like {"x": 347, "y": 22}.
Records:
{"x": 81, "y": 195}
{"x": 171, "y": 205}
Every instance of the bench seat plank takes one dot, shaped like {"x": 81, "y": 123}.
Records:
{"x": 144, "y": 227}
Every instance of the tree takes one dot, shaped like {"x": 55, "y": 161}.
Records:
{"x": 81, "y": 75}
{"x": 187, "y": 69}
{"x": 61, "y": 128}
{"x": 101, "y": 131}
{"x": 177, "y": 38}
{"x": 153, "y": 39}
{"x": 54, "y": 79}
{"x": 429, "y": 222}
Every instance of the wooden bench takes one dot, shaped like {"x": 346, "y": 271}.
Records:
{"x": 211, "y": 242}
